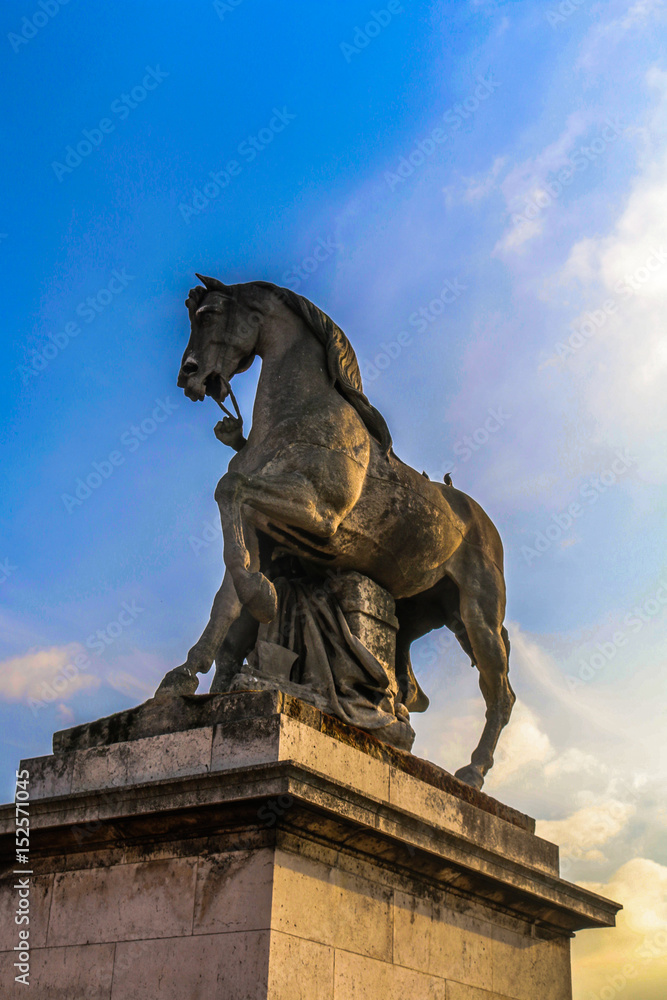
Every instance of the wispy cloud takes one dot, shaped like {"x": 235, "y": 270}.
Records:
{"x": 44, "y": 675}
{"x": 602, "y": 40}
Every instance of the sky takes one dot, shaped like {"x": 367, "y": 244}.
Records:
{"x": 476, "y": 192}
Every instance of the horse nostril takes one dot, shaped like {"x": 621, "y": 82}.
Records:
{"x": 189, "y": 368}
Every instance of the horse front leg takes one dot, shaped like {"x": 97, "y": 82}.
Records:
{"x": 226, "y": 609}
{"x": 288, "y": 499}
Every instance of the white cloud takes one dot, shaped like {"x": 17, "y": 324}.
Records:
{"x": 44, "y": 675}
{"x": 620, "y": 365}
{"x": 521, "y": 744}
{"x": 480, "y": 186}
{"x": 524, "y": 188}
{"x": 631, "y": 960}
{"x": 582, "y": 834}
{"x": 572, "y": 761}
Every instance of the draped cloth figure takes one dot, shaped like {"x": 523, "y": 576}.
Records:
{"x": 333, "y": 644}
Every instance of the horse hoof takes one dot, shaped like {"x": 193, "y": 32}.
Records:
{"x": 470, "y": 775}
{"x": 180, "y": 680}
{"x": 259, "y": 596}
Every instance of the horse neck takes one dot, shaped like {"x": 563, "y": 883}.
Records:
{"x": 294, "y": 370}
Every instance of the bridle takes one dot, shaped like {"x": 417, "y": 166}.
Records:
{"x": 231, "y": 319}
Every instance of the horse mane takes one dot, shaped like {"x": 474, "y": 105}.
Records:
{"x": 341, "y": 359}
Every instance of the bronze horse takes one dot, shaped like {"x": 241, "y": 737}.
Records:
{"x": 318, "y": 479}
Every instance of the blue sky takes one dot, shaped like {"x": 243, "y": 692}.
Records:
{"x": 484, "y": 184}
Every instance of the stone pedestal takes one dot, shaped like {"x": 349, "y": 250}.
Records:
{"x": 270, "y": 851}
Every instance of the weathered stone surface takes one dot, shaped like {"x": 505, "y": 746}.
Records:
{"x": 122, "y": 902}
{"x": 234, "y": 892}
{"x": 193, "y": 712}
{"x": 371, "y": 614}
{"x": 41, "y": 887}
{"x": 202, "y": 967}
{"x": 300, "y": 969}
{"x": 173, "y": 715}
{"x": 360, "y": 978}
{"x": 81, "y": 973}
{"x": 433, "y": 938}
{"x": 173, "y": 754}
{"x": 525, "y": 968}
{"x": 51, "y": 776}
{"x": 459, "y": 991}
{"x": 332, "y": 907}
{"x": 442, "y": 810}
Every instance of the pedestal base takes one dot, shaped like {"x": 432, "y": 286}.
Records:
{"x": 273, "y": 852}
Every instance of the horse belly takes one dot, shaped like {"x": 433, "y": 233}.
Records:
{"x": 403, "y": 535}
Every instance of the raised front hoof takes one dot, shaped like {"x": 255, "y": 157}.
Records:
{"x": 258, "y": 595}
{"x": 470, "y": 775}
{"x": 180, "y": 680}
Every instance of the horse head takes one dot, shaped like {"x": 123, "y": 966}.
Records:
{"x": 223, "y": 338}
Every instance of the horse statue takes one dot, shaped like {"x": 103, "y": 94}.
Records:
{"x": 317, "y": 478}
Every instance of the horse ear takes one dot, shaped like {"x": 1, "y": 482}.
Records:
{"x": 212, "y": 284}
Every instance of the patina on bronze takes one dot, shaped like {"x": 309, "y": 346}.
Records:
{"x": 315, "y": 494}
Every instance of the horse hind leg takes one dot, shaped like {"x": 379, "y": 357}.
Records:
{"x": 490, "y": 644}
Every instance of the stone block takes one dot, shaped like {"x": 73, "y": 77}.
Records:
{"x": 170, "y": 755}
{"x": 200, "y": 967}
{"x": 459, "y": 991}
{"x": 299, "y": 969}
{"x": 525, "y": 967}
{"x": 81, "y": 973}
{"x": 234, "y": 892}
{"x": 359, "y": 978}
{"x": 236, "y": 744}
{"x": 433, "y": 938}
{"x": 41, "y": 887}
{"x": 330, "y": 906}
{"x": 49, "y": 776}
{"x": 370, "y": 614}
{"x": 154, "y": 899}
{"x": 337, "y": 760}
{"x": 444, "y": 811}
